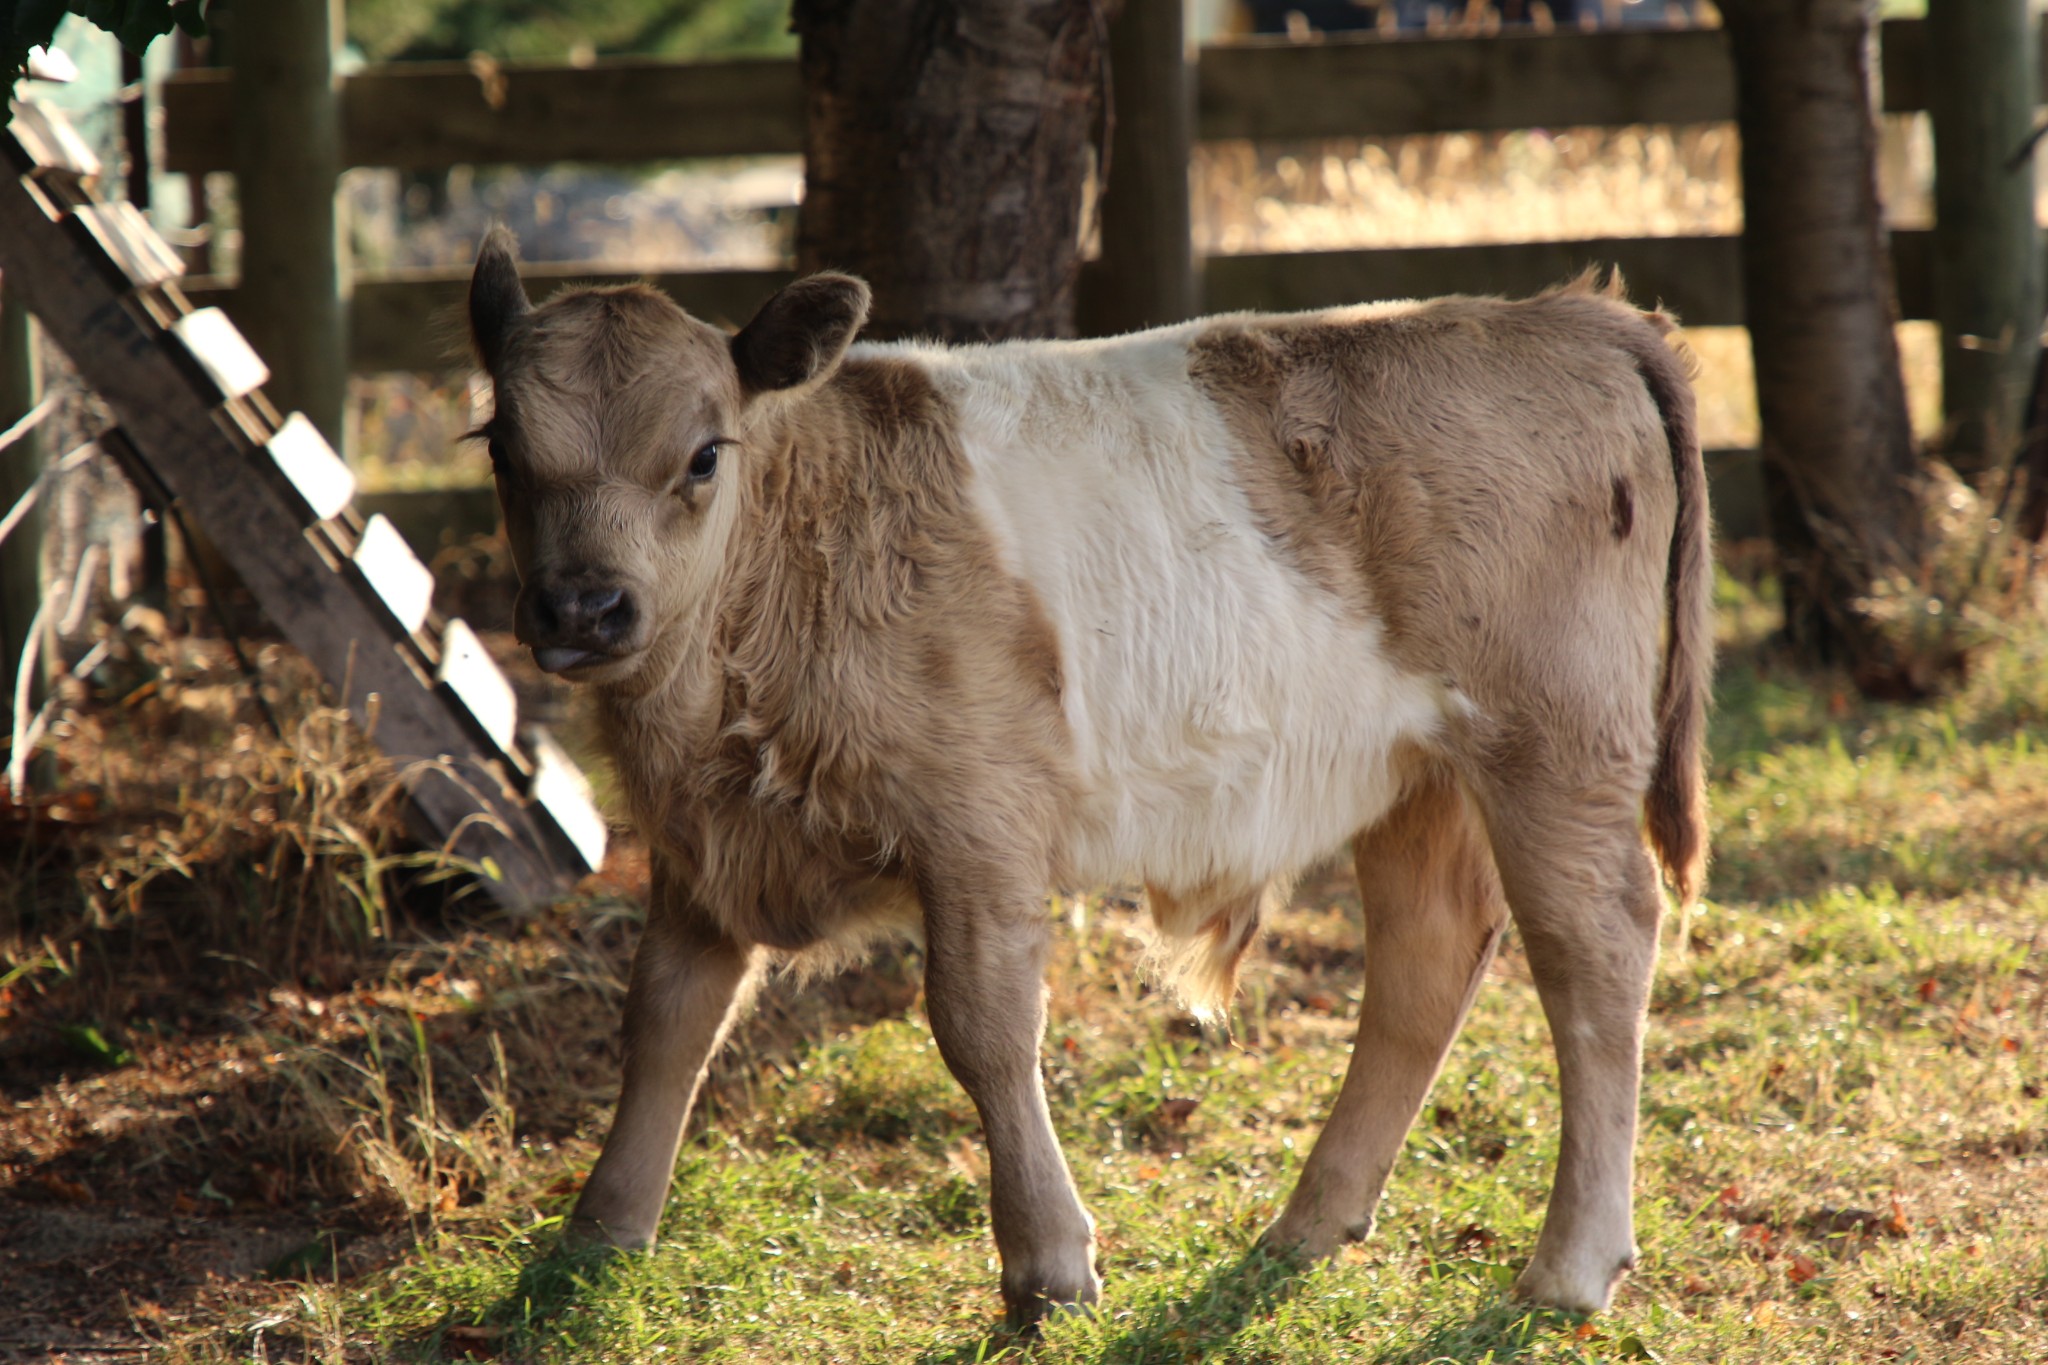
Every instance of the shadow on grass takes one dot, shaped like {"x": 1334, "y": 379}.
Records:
{"x": 1503, "y": 1330}
{"x": 1205, "y": 1325}
{"x": 1182, "y": 1329}
{"x": 556, "y": 1278}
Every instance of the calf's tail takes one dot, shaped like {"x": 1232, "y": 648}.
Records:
{"x": 1676, "y": 808}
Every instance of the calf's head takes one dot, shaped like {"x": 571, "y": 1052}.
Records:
{"x": 619, "y": 442}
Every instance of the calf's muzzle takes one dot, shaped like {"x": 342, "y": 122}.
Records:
{"x": 568, "y": 623}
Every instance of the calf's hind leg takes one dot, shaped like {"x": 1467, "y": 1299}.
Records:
{"x": 1585, "y": 898}
{"x": 687, "y": 978}
{"x": 1433, "y": 914}
{"x": 984, "y": 991}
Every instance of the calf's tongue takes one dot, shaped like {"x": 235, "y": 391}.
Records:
{"x": 556, "y": 659}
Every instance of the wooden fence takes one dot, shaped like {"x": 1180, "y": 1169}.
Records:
{"x": 434, "y": 115}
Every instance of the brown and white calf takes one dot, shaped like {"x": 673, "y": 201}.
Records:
{"x": 899, "y": 636}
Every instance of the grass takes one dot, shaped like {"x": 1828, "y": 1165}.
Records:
{"x": 1844, "y": 1127}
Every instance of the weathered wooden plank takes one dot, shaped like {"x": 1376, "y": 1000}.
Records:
{"x": 316, "y": 474}
{"x": 285, "y": 93}
{"x": 560, "y": 787}
{"x": 403, "y": 584}
{"x": 129, "y": 241}
{"x": 473, "y": 677}
{"x": 430, "y": 115}
{"x": 217, "y": 346}
{"x": 51, "y": 142}
{"x": 412, "y": 321}
{"x": 1354, "y": 87}
{"x": 1146, "y": 237}
{"x": 1698, "y": 278}
{"x": 1907, "y": 75}
{"x": 229, "y": 486}
{"x": 1987, "y": 245}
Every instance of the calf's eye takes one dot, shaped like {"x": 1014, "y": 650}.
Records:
{"x": 704, "y": 463}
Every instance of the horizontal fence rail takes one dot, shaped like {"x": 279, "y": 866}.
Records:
{"x": 429, "y": 115}
{"x": 434, "y": 115}
{"x": 413, "y": 320}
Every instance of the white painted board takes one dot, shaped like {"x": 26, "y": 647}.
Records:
{"x": 395, "y": 573}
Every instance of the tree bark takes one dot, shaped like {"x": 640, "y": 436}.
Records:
{"x": 1984, "y": 68}
{"x": 945, "y": 154}
{"x": 1840, "y": 465}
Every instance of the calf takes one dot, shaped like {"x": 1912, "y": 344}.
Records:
{"x": 892, "y": 637}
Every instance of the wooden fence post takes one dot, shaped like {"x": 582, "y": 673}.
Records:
{"x": 1147, "y": 273}
{"x": 292, "y": 302}
{"x": 21, "y": 464}
{"x": 1983, "y": 67}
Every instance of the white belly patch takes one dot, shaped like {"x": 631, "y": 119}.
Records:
{"x": 1232, "y": 721}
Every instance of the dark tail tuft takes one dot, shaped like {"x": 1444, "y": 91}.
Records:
{"x": 1677, "y": 804}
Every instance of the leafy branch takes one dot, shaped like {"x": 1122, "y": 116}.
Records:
{"x": 137, "y": 23}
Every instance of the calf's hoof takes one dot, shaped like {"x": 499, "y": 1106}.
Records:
{"x": 585, "y": 1232}
{"x": 1586, "y": 1287}
{"x": 1031, "y": 1299}
{"x": 1302, "y": 1241}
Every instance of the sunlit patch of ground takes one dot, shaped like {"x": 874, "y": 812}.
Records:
{"x": 251, "y": 1124}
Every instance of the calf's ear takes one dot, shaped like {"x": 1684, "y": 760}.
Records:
{"x": 497, "y": 300}
{"x": 801, "y": 334}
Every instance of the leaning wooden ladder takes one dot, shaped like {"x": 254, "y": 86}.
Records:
{"x": 196, "y": 429}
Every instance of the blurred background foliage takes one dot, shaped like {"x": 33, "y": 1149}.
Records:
{"x": 540, "y": 30}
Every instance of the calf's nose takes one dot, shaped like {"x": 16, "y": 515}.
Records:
{"x": 569, "y": 624}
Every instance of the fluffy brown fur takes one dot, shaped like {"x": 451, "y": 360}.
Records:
{"x": 832, "y": 708}
{"x": 1383, "y": 457}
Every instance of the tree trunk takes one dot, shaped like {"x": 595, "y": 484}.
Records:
{"x": 1984, "y": 69}
{"x": 292, "y": 300}
{"x": 945, "y": 154}
{"x": 1840, "y": 464}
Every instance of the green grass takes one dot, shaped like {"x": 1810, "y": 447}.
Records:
{"x": 1843, "y": 1151}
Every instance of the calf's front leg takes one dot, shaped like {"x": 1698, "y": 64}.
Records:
{"x": 687, "y": 980}
{"x": 985, "y": 993}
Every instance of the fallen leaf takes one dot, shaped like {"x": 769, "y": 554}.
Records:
{"x": 1474, "y": 1237}
{"x": 1766, "y": 1314}
{"x": 463, "y": 1342}
{"x": 70, "y": 1191}
{"x": 1928, "y": 988}
{"x": 1149, "y": 1172}
{"x": 273, "y": 1186}
{"x": 1801, "y": 1269}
